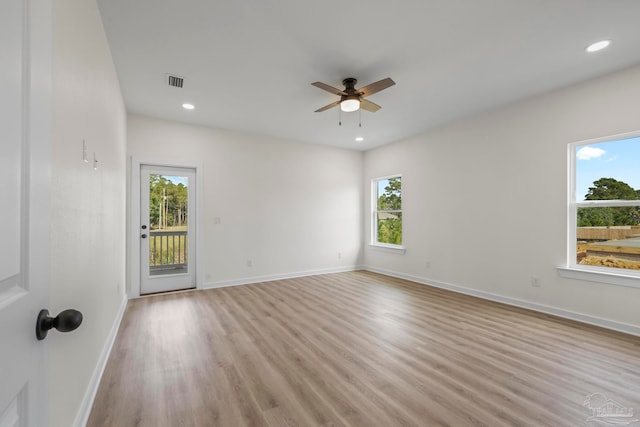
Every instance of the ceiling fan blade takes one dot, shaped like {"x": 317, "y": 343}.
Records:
{"x": 326, "y": 107}
{"x": 369, "y": 106}
{"x": 376, "y": 87}
{"x": 328, "y": 88}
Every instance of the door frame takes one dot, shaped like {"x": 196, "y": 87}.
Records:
{"x": 133, "y": 224}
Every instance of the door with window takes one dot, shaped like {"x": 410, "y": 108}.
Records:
{"x": 167, "y": 229}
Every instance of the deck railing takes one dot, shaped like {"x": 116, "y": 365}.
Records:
{"x": 167, "y": 250}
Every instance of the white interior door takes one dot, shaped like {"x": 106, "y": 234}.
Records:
{"x": 167, "y": 229}
{"x": 25, "y": 132}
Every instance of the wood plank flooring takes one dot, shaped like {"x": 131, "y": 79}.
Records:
{"x": 357, "y": 349}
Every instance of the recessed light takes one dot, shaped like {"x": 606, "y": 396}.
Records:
{"x": 359, "y": 139}
{"x": 594, "y": 47}
{"x": 188, "y": 106}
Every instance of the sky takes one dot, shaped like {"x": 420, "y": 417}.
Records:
{"x": 178, "y": 179}
{"x": 618, "y": 159}
{"x": 381, "y": 184}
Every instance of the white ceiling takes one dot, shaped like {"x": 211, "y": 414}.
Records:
{"x": 248, "y": 64}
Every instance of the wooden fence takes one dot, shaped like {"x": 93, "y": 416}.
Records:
{"x": 608, "y": 233}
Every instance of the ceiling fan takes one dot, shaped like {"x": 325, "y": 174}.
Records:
{"x": 352, "y": 99}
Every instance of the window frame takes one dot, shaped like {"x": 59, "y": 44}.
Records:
{"x": 611, "y": 275}
{"x": 374, "y": 215}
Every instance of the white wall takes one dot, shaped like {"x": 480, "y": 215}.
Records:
{"x": 485, "y": 199}
{"x": 88, "y": 207}
{"x": 288, "y": 207}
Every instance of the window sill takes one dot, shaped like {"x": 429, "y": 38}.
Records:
{"x": 388, "y": 248}
{"x": 611, "y": 278}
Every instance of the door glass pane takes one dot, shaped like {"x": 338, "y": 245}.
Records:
{"x": 168, "y": 220}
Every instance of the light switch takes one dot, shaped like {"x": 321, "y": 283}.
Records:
{"x": 85, "y": 158}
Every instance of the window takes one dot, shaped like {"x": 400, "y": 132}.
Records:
{"x": 604, "y": 205}
{"x": 387, "y": 211}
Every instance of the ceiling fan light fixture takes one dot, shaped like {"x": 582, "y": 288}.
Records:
{"x": 349, "y": 105}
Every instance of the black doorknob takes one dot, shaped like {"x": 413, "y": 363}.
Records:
{"x": 66, "y": 321}
{"x": 144, "y": 236}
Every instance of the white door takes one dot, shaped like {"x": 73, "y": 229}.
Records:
{"x": 25, "y": 144}
{"x": 167, "y": 229}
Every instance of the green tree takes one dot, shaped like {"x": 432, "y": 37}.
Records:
{"x": 180, "y": 210}
{"x": 167, "y": 202}
{"x": 609, "y": 189}
{"x": 391, "y": 199}
{"x": 595, "y": 217}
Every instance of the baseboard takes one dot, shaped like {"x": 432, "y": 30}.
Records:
{"x": 87, "y": 403}
{"x": 584, "y": 318}
{"x": 272, "y": 277}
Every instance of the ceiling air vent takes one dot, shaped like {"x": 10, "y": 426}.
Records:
{"x": 174, "y": 81}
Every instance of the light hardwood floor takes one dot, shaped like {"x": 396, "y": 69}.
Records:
{"x": 356, "y": 349}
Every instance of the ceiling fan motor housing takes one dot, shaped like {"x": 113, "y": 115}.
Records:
{"x": 349, "y": 84}
{"x": 350, "y": 88}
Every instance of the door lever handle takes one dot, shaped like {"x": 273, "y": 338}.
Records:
{"x": 66, "y": 321}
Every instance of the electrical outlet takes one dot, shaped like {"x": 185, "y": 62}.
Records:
{"x": 339, "y": 255}
{"x": 249, "y": 263}
{"x": 427, "y": 264}
{"x": 535, "y": 281}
